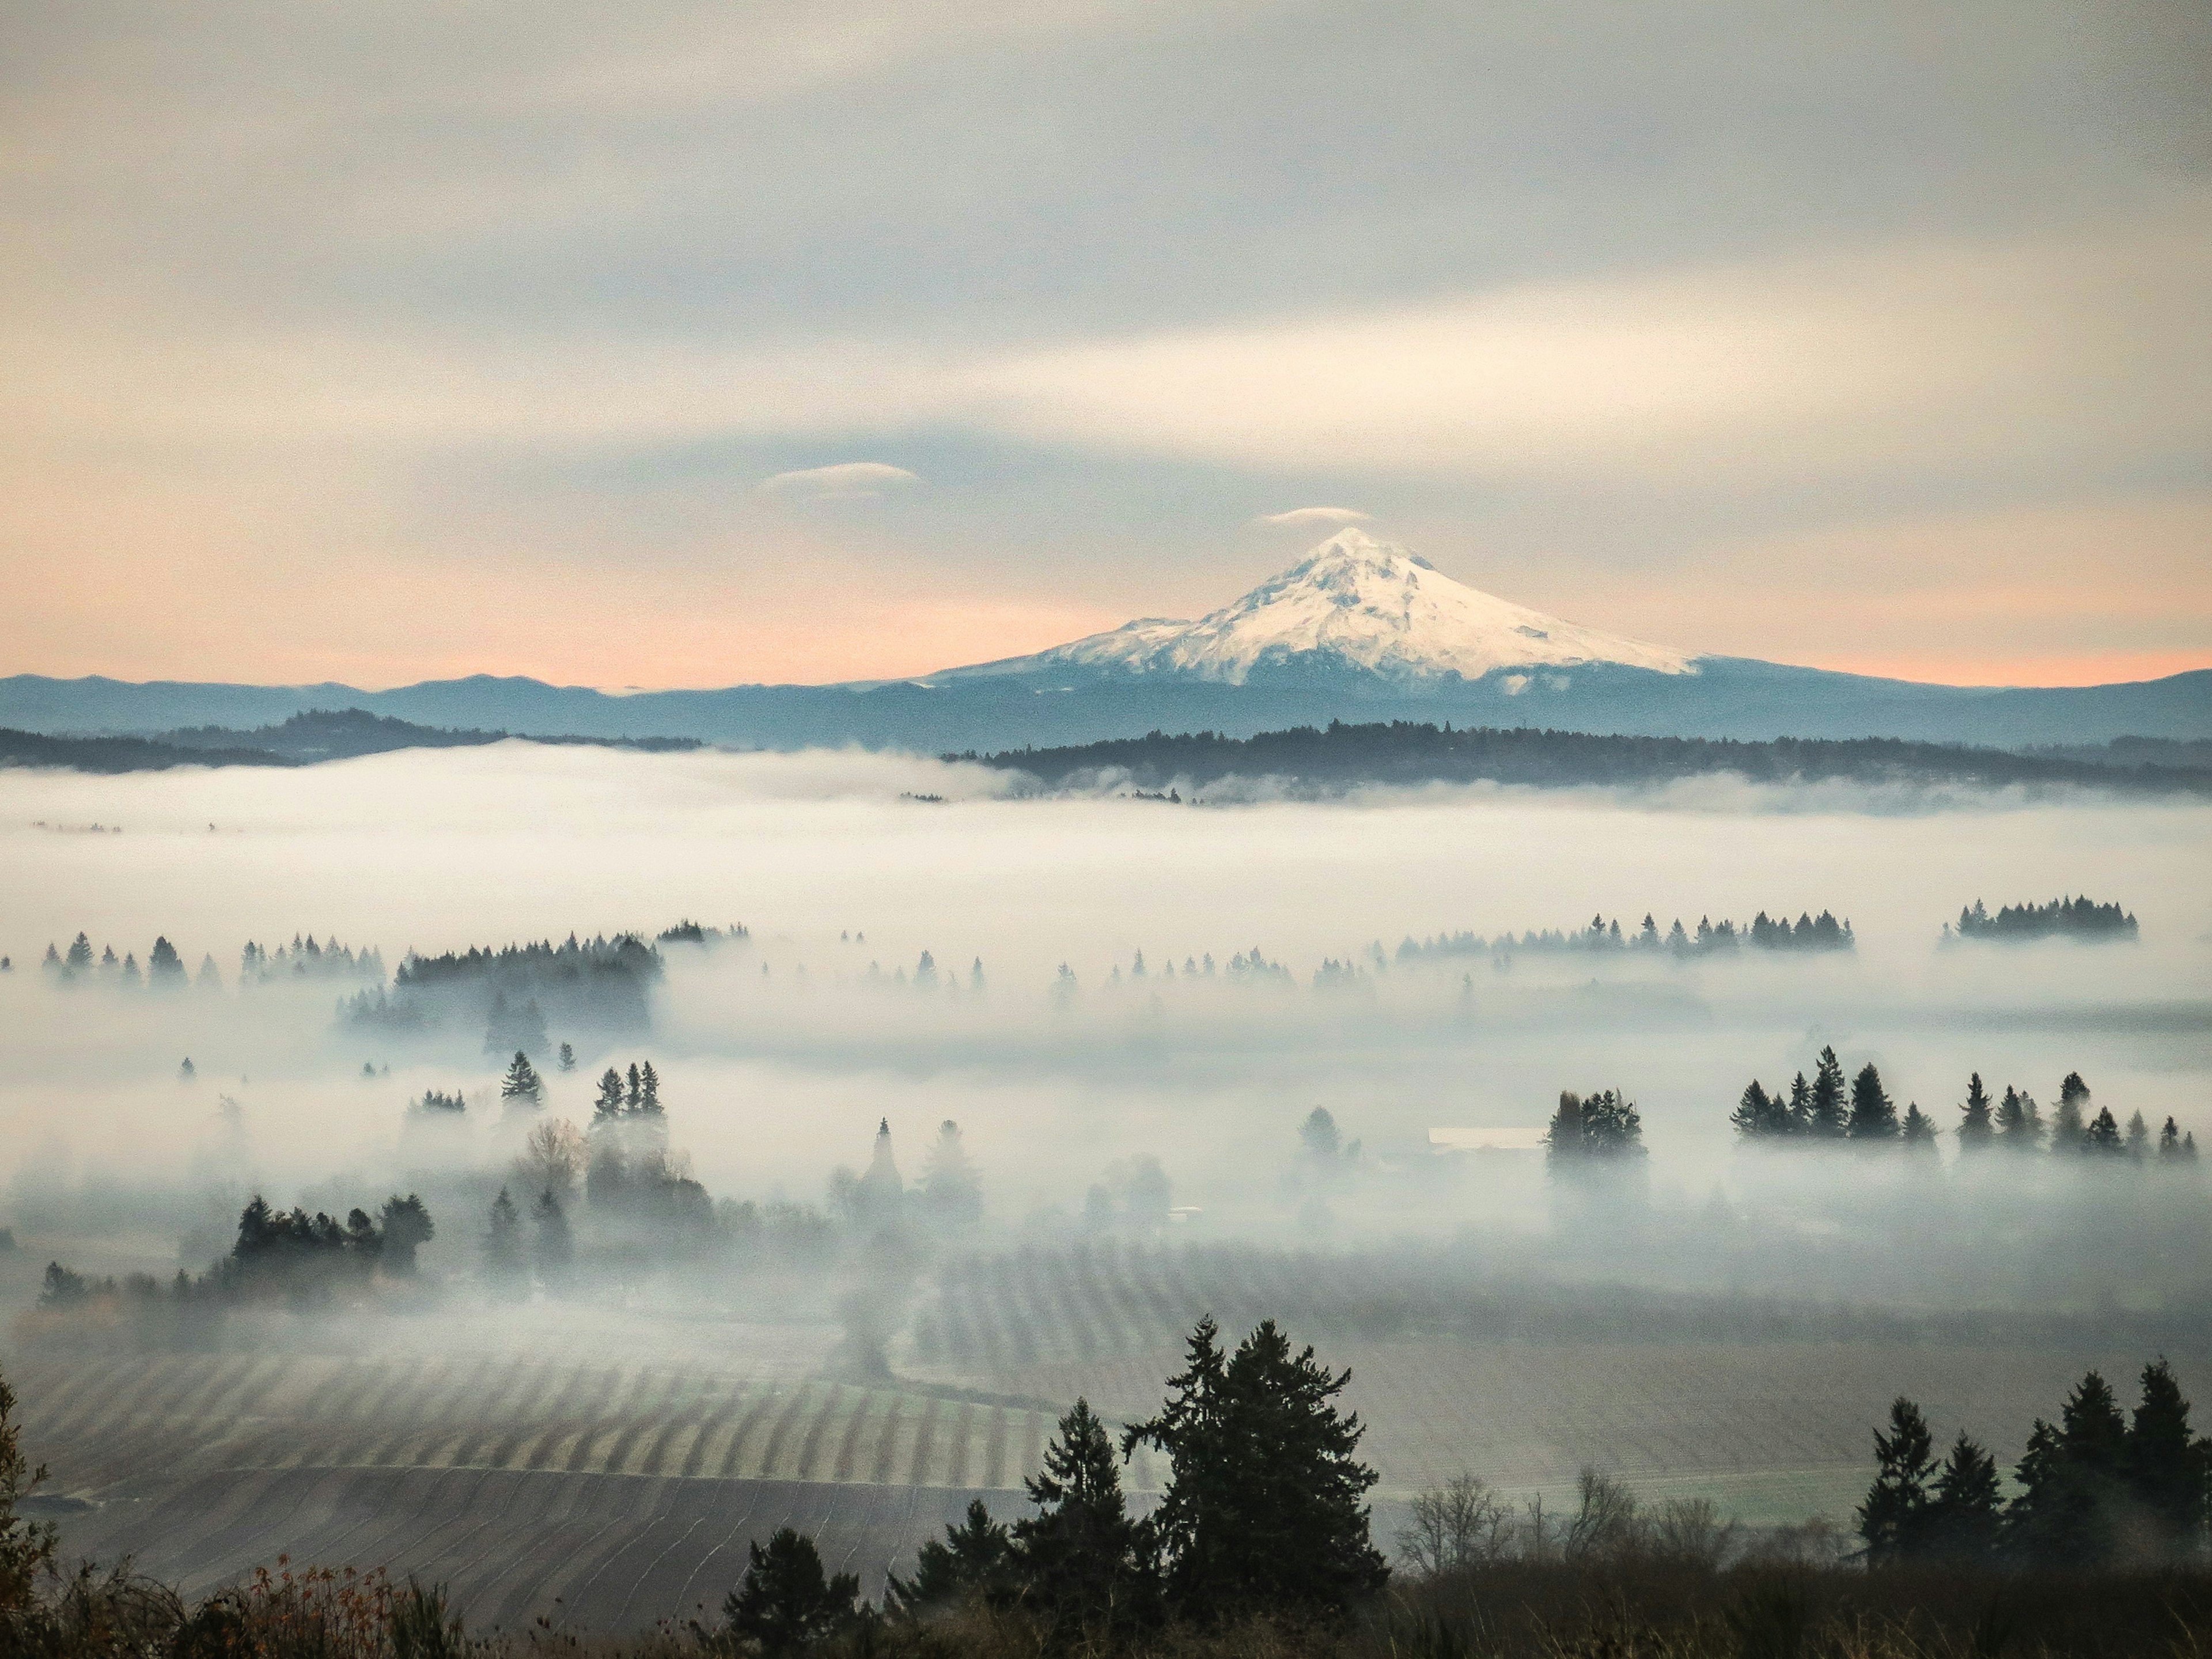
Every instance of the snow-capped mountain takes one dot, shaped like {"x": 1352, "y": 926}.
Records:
{"x": 1353, "y": 602}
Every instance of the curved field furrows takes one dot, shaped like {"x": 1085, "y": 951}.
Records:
{"x": 887, "y": 1435}
{"x": 925, "y": 1440}
{"x": 640, "y": 1387}
{"x": 537, "y": 1510}
{"x": 432, "y": 1443}
{"x": 809, "y": 1465}
{"x": 615, "y": 1571}
{"x": 994, "y": 1461}
{"x": 1032, "y": 1444}
{"x": 618, "y": 1551}
{"x": 848, "y": 1445}
{"x": 646, "y": 1424}
{"x": 764, "y": 1401}
{"x": 605, "y": 1524}
{"x": 530, "y": 1413}
{"x": 555, "y": 1441}
{"x": 401, "y": 1417}
{"x": 60, "y": 1416}
{"x": 718, "y": 1419}
{"x": 956, "y": 1450}
{"x": 719, "y": 1560}
{"x": 780, "y": 1433}
{"x": 656, "y": 1449}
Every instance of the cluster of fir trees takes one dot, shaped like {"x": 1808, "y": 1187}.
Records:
{"x": 2014, "y": 1124}
{"x": 164, "y": 966}
{"x": 2094, "y": 1489}
{"x": 305, "y": 959}
{"x": 1823, "y": 1110}
{"x": 2067, "y": 918}
{"x": 290, "y": 1254}
{"x": 1263, "y": 1513}
{"x": 1762, "y": 933}
{"x": 547, "y": 1254}
{"x": 1593, "y": 1133}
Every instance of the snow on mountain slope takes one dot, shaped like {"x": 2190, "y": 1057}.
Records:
{"x": 1352, "y": 602}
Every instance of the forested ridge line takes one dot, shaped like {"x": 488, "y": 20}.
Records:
{"x": 1407, "y": 752}
{"x": 302, "y": 740}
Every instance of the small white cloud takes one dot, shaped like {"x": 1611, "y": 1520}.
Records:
{"x": 848, "y": 481}
{"x": 1298, "y": 517}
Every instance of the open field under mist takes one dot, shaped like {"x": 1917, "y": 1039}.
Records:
{"x": 1733, "y": 1333}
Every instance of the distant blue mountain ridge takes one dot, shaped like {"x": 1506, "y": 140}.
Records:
{"x": 1359, "y": 631}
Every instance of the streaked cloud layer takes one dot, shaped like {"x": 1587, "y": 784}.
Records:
{"x": 681, "y": 305}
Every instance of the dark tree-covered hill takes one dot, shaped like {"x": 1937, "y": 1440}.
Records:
{"x": 1410, "y": 752}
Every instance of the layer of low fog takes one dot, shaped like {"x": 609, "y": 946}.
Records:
{"x": 779, "y": 1051}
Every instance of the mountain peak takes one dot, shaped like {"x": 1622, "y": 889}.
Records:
{"x": 1355, "y": 601}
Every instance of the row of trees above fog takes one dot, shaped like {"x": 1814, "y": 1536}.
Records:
{"x": 288, "y": 1254}
{"x": 1341, "y": 756}
{"x": 303, "y": 959}
{"x": 1810, "y": 932}
{"x": 1824, "y": 1109}
{"x": 2062, "y": 918}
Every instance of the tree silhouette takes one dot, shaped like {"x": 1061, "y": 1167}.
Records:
{"x": 1874, "y": 1116}
{"x": 2168, "y": 1469}
{"x": 1827, "y": 1119}
{"x": 1964, "y": 1517}
{"x": 407, "y": 1227}
{"x": 1977, "y": 1128}
{"x": 522, "y": 1089}
{"x": 1088, "y": 1566}
{"x": 1262, "y": 1508}
{"x": 1893, "y": 1519}
{"x": 975, "y": 1561}
{"x": 784, "y": 1604}
{"x": 2070, "y": 1477}
{"x": 504, "y": 1263}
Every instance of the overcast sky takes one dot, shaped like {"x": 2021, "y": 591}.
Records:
{"x": 679, "y": 343}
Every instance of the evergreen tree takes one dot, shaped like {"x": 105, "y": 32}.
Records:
{"x": 1873, "y": 1115}
{"x": 1977, "y": 1129}
{"x": 2102, "y": 1136}
{"x": 2167, "y": 1466}
{"x": 568, "y": 1057}
{"x": 648, "y": 1091}
{"x": 522, "y": 1089}
{"x": 2138, "y": 1137}
{"x": 1262, "y": 1509}
{"x": 1759, "y": 1116}
{"x": 636, "y": 1096}
{"x": 1964, "y": 1516}
{"x": 1920, "y": 1131}
{"x": 2019, "y": 1122}
{"x": 975, "y": 1562}
{"x": 1088, "y": 1566}
{"x": 28, "y": 1547}
{"x": 952, "y": 1190}
{"x": 1801, "y": 1105}
{"x": 163, "y": 965}
{"x": 79, "y": 960}
{"x": 1827, "y": 1119}
{"x": 2070, "y": 1480}
{"x": 2068, "y": 1123}
{"x": 784, "y": 1604}
{"x": 1894, "y": 1518}
{"x": 505, "y": 1265}
{"x": 553, "y": 1251}
{"x": 407, "y": 1227}
{"x": 609, "y": 1105}
{"x": 2169, "y": 1142}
